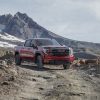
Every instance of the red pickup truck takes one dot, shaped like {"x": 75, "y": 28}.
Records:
{"x": 44, "y": 51}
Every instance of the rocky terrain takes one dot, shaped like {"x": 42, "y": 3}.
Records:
{"x": 26, "y": 82}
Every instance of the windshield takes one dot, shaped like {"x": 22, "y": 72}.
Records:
{"x": 45, "y": 42}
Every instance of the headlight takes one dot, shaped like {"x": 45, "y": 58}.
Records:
{"x": 71, "y": 51}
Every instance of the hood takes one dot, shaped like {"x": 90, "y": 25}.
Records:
{"x": 55, "y": 47}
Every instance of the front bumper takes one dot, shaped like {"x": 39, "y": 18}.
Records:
{"x": 58, "y": 60}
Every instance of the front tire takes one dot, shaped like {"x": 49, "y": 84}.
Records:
{"x": 17, "y": 59}
{"x": 66, "y": 66}
{"x": 39, "y": 62}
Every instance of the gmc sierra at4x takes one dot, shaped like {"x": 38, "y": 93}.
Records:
{"x": 44, "y": 51}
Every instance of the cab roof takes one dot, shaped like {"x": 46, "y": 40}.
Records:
{"x": 39, "y": 38}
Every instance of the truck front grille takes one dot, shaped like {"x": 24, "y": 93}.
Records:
{"x": 58, "y": 52}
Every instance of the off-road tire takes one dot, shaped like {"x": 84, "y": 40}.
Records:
{"x": 17, "y": 59}
{"x": 39, "y": 62}
{"x": 66, "y": 66}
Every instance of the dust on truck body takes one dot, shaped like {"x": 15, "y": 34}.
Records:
{"x": 44, "y": 51}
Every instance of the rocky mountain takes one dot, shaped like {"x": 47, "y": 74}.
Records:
{"x": 22, "y": 26}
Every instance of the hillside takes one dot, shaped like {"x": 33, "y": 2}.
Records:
{"x": 9, "y": 41}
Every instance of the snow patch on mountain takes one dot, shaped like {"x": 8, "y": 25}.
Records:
{"x": 7, "y": 40}
{"x": 6, "y": 36}
{"x": 6, "y": 44}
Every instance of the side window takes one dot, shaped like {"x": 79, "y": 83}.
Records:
{"x": 33, "y": 42}
{"x": 27, "y": 43}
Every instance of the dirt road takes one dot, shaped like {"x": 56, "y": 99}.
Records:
{"x": 52, "y": 83}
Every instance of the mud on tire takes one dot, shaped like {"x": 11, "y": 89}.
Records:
{"x": 66, "y": 66}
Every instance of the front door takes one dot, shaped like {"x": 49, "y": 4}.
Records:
{"x": 27, "y": 52}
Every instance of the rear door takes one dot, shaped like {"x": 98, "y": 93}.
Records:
{"x": 27, "y": 51}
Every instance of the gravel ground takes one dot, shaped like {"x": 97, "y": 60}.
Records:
{"x": 26, "y": 82}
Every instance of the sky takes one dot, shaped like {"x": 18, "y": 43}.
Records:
{"x": 74, "y": 19}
